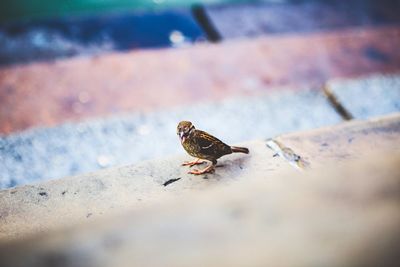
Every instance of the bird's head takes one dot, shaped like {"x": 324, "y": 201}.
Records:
{"x": 184, "y": 130}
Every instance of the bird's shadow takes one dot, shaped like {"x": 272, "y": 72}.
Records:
{"x": 231, "y": 168}
{"x": 226, "y": 168}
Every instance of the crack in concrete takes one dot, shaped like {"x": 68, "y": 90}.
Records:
{"x": 287, "y": 153}
{"x": 335, "y": 103}
{"x": 170, "y": 181}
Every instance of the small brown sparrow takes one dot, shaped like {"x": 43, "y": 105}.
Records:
{"x": 202, "y": 145}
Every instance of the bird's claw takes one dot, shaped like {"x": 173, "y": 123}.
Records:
{"x": 192, "y": 163}
{"x": 198, "y": 172}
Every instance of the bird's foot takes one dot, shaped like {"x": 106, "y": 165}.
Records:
{"x": 209, "y": 169}
{"x": 192, "y": 163}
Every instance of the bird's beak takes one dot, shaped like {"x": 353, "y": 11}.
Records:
{"x": 182, "y": 137}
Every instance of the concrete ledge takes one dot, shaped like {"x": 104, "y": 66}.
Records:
{"x": 255, "y": 18}
{"x": 372, "y": 96}
{"x": 39, "y": 208}
{"x": 51, "y": 153}
{"x": 76, "y": 199}
{"x": 340, "y": 215}
{"x": 353, "y": 140}
{"x": 47, "y": 94}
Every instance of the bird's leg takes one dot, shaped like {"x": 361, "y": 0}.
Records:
{"x": 208, "y": 169}
{"x": 192, "y": 163}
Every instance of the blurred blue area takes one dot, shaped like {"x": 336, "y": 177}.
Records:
{"x": 53, "y": 38}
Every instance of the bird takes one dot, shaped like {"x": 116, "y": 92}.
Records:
{"x": 203, "y": 146}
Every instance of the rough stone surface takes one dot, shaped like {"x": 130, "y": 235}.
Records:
{"x": 73, "y": 200}
{"x": 351, "y": 141}
{"x": 39, "y": 208}
{"x": 340, "y": 215}
{"x": 51, "y": 93}
{"x": 41, "y": 154}
{"x": 277, "y": 17}
{"x": 71, "y": 149}
{"x": 371, "y": 96}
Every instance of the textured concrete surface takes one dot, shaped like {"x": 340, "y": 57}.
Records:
{"x": 51, "y": 93}
{"x": 276, "y": 17}
{"x": 351, "y": 140}
{"x": 371, "y": 96}
{"x": 70, "y": 149}
{"x": 74, "y": 200}
{"x": 39, "y": 208}
{"x": 340, "y": 215}
{"x": 76, "y": 148}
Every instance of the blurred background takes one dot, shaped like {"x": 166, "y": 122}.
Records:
{"x": 88, "y": 84}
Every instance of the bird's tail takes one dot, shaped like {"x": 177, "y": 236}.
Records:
{"x": 236, "y": 149}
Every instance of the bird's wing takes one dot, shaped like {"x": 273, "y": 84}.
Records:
{"x": 206, "y": 141}
{"x": 211, "y": 145}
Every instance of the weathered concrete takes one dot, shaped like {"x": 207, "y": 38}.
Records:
{"x": 340, "y": 215}
{"x": 348, "y": 141}
{"x": 372, "y": 96}
{"x": 39, "y": 208}
{"x": 278, "y": 17}
{"x": 47, "y": 94}
{"x": 76, "y": 199}
{"x": 52, "y": 153}
{"x": 76, "y": 148}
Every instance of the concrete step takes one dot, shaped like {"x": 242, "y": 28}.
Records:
{"x": 48, "y": 94}
{"x": 255, "y": 207}
{"x": 257, "y": 18}
{"x": 76, "y": 148}
{"x": 368, "y": 97}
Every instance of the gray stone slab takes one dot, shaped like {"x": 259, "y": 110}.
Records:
{"x": 367, "y": 97}
{"x": 50, "y": 205}
{"x": 337, "y": 215}
{"x": 70, "y": 149}
{"x": 34, "y": 209}
{"x": 270, "y": 17}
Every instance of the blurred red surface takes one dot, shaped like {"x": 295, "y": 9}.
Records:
{"x": 46, "y": 94}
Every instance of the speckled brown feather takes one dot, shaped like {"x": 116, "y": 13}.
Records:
{"x": 205, "y": 146}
